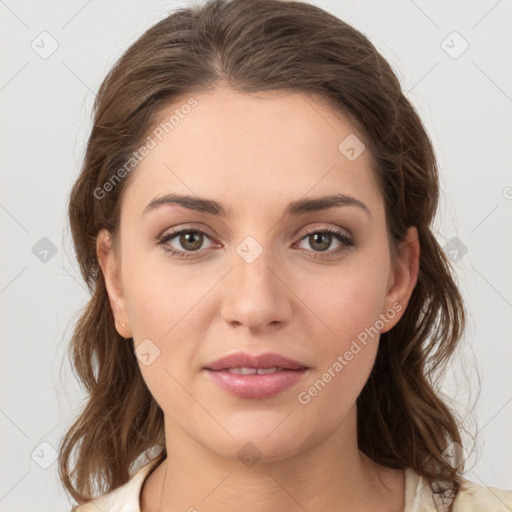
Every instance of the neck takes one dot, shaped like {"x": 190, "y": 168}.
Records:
{"x": 332, "y": 471}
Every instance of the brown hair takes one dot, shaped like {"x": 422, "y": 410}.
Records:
{"x": 263, "y": 45}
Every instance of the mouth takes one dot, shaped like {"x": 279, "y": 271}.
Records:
{"x": 247, "y": 364}
{"x": 255, "y": 377}
{"x": 245, "y": 370}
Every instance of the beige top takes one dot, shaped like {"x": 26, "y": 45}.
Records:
{"x": 419, "y": 496}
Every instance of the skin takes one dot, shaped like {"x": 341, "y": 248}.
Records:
{"x": 271, "y": 148}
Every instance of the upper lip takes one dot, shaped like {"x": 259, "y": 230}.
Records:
{"x": 243, "y": 359}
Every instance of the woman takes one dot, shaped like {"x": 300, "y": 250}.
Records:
{"x": 270, "y": 306}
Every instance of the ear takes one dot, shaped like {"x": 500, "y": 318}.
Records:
{"x": 112, "y": 274}
{"x": 403, "y": 278}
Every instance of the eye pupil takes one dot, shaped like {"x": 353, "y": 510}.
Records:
{"x": 185, "y": 239}
{"x": 326, "y": 241}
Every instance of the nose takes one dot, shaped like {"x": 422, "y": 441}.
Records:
{"x": 256, "y": 294}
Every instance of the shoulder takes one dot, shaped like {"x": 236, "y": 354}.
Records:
{"x": 473, "y": 497}
{"x": 122, "y": 499}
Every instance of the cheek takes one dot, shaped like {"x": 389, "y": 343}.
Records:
{"x": 346, "y": 343}
{"x": 344, "y": 302}
{"x": 343, "y": 311}
{"x": 162, "y": 297}
{"x": 163, "y": 310}
{"x": 169, "y": 314}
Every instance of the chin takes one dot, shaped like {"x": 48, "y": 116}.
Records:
{"x": 252, "y": 443}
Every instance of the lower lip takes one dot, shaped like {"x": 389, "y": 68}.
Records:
{"x": 256, "y": 386}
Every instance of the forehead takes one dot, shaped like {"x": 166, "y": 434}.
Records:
{"x": 252, "y": 148}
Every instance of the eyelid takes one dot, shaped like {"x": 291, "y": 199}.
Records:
{"x": 323, "y": 227}
{"x": 193, "y": 226}
{"x": 202, "y": 228}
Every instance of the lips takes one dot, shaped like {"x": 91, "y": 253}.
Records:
{"x": 265, "y": 361}
{"x": 255, "y": 376}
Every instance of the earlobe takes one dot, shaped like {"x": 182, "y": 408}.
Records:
{"x": 112, "y": 275}
{"x": 404, "y": 276}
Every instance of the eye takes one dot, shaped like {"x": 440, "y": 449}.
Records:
{"x": 191, "y": 240}
{"x": 321, "y": 239}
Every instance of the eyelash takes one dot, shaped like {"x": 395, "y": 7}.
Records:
{"x": 341, "y": 237}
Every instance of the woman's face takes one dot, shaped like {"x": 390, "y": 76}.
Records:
{"x": 261, "y": 278}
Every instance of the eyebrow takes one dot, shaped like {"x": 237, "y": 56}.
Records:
{"x": 294, "y": 208}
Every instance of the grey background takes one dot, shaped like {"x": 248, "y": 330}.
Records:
{"x": 464, "y": 100}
